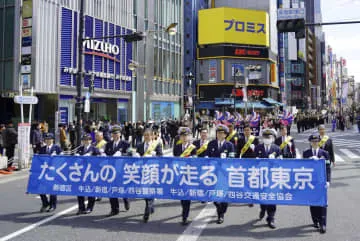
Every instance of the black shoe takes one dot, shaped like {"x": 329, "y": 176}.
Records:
{"x": 81, "y": 212}
{"x": 152, "y": 210}
{"x": 220, "y": 220}
{"x": 251, "y": 205}
{"x": 51, "y": 209}
{"x": 146, "y": 218}
{"x": 322, "y": 229}
{"x": 113, "y": 213}
{"x": 261, "y": 215}
{"x": 98, "y": 199}
{"x": 88, "y": 210}
{"x": 185, "y": 221}
{"x": 316, "y": 225}
{"x": 44, "y": 208}
{"x": 271, "y": 225}
{"x": 126, "y": 205}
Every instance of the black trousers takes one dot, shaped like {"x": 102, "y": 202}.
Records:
{"x": 149, "y": 206}
{"x": 221, "y": 209}
{"x": 10, "y": 153}
{"x": 46, "y": 202}
{"x": 114, "y": 203}
{"x": 185, "y": 204}
{"x": 318, "y": 214}
{"x": 271, "y": 210}
{"x": 81, "y": 202}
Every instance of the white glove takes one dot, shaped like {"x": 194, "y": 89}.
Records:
{"x": 118, "y": 153}
{"x": 314, "y": 158}
{"x": 327, "y": 184}
{"x": 103, "y": 154}
{"x": 153, "y": 153}
{"x": 252, "y": 146}
{"x": 223, "y": 155}
{"x": 271, "y": 156}
{"x": 77, "y": 154}
{"x": 206, "y": 156}
{"x": 88, "y": 154}
{"x": 280, "y": 157}
{"x": 136, "y": 154}
{"x": 53, "y": 154}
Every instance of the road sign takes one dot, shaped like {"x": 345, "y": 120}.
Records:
{"x": 291, "y": 13}
{"x": 30, "y": 100}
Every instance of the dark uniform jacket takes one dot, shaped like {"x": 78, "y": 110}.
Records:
{"x": 214, "y": 151}
{"x": 92, "y": 150}
{"x": 177, "y": 151}
{"x": 328, "y": 146}
{"x": 322, "y": 154}
{"x": 54, "y": 149}
{"x": 197, "y": 143}
{"x": 287, "y": 152}
{"x": 234, "y": 140}
{"x": 261, "y": 152}
{"x": 141, "y": 149}
{"x": 122, "y": 147}
{"x": 249, "y": 153}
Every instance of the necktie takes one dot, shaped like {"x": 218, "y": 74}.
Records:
{"x": 114, "y": 145}
{"x": 267, "y": 149}
{"x": 145, "y": 147}
{"x": 314, "y": 152}
{"x": 48, "y": 150}
{"x": 220, "y": 145}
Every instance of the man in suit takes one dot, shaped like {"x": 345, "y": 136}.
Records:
{"x": 247, "y": 144}
{"x": 233, "y": 136}
{"x": 148, "y": 148}
{"x": 50, "y": 148}
{"x": 286, "y": 144}
{"x": 86, "y": 149}
{"x": 271, "y": 151}
{"x": 202, "y": 143}
{"x": 184, "y": 149}
{"x": 222, "y": 148}
{"x": 326, "y": 144}
{"x": 117, "y": 147}
{"x": 318, "y": 214}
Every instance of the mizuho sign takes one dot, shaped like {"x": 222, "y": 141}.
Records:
{"x": 101, "y": 46}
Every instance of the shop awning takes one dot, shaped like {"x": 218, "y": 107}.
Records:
{"x": 255, "y": 105}
{"x": 273, "y": 102}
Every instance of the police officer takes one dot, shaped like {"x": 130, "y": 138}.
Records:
{"x": 247, "y": 144}
{"x": 117, "y": 147}
{"x": 150, "y": 147}
{"x": 222, "y": 148}
{"x": 286, "y": 144}
{"x": 52, "y": 149}
{"x": 268, "y": 150}
{"x": 86, "y": 149}
{"x": 326, "y": 144}
{"x": 184, "y": 149}
{"x": 202, "y": 143}
{"x": 318, "y": 214}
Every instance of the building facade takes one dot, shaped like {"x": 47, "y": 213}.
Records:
{"x": 49, "y": 56}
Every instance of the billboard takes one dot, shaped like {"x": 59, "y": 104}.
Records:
{"x": 233, "y": 25}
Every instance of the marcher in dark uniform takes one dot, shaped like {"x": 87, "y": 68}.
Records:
{"x": 326, "y": 144}
{"x": 268, "y": 150}
{"x": 222, "y": 148}
{"x": 184, "y": 149}
{"x": 149, "y": 147}
{"x": 233, "y": 136}
{"x": 86, "y": 149}
{"x": 202, "y": 143}
{"x": 247, "y": 144}
{"x": 286, "y": 144}
{"x": 318, "y": 214}
{"x": 50, "y": 149}
{"x": 117, "y": 147}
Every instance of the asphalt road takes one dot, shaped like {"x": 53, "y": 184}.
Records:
{"x": 20, "y": 218}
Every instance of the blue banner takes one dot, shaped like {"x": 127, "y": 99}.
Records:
{"x": 264, "y": 181}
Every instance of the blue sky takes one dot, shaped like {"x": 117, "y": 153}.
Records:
{"x": 344, "y": 39}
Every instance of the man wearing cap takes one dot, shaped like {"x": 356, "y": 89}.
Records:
{"x": 247, "y": 144}
{"x": 202, "y": 143}
{"x": 271, "y": 151}
{"x": 86, "y": 149}
{"x": 117, "y": 147}
{"x": 185, "y": 149}
{"x": 222, "y": 148}
{"x": 50, "y": 148}
{"x": 326, "y": 144}
{"x": 286, "y": 144}
{"x": 148, "y": 148}
{"x": 318, "y": 214}
{"x": 233, "y": 136}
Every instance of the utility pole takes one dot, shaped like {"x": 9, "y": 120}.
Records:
{"x": 78, "y": 106}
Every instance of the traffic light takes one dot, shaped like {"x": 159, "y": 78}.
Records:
{"x": 292, "y": 25}
{"x": 137, "y": 36}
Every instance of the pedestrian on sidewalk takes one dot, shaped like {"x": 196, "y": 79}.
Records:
{"x": 358, "y": 121}
{"x": 10, "y": 140}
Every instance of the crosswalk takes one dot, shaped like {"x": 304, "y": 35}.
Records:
{"x": 340, "y": 156}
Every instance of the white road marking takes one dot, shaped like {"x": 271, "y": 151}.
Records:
{"x": 338, "y": 158}
{"x": 193, "y": 232}
{"x": 10, "y": 179}
{"x": 37, "y": 224}
{"x": 349, "y": 154}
